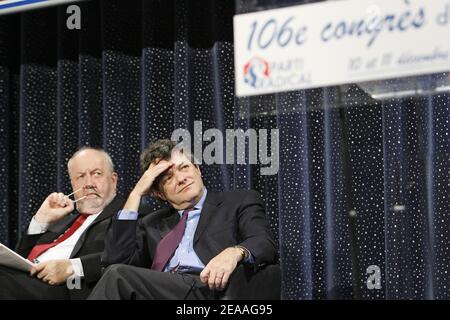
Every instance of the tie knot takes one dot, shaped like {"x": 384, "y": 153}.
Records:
{"x": 186, "y": 212}
{"x": 83, "y": 216}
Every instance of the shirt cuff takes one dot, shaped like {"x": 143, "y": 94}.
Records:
{"x": 127, "y": 215}
{"x": 77, "y": 267}
{"x": 250, "y": 259}
{"x": 37, "y": 227}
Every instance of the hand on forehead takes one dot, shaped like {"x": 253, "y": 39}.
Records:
{"x": 159, "y": 161}
{"x": 165, "y": 165}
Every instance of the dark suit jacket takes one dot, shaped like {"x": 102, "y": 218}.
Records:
{"x": 89, "y": 247}
{"x": 227, "y": 219}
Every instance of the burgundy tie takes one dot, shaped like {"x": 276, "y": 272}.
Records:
{"x": 167, "y": 246}
{"x": 41, "y": 248}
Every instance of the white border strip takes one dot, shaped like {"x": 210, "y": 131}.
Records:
{"x": 33, "y": 6}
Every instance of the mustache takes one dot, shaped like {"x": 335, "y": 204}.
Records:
{"x": 93, "y": 189}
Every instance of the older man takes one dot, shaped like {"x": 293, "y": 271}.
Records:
{"x": 64, "y": 242}
{"x": 187, "y": 251}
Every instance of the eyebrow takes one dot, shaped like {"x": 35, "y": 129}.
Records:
{"x": 181, "y": 164}
{"x": 96, "y": 169}
{"x": 169, "y": 172}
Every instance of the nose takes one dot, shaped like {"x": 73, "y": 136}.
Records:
{"x": 88, "y": 182}
{"x": 180, "y": 178}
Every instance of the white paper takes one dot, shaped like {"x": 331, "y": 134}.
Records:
{"x": 9, "y": 258}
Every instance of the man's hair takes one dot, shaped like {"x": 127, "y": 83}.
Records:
{"x": 160, "y": 150}
{"x": 108, "y": 159}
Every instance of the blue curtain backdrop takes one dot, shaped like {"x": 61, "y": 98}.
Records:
{"x": 361, "y": 182}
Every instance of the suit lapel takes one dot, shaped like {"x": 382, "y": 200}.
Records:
{"x": 212, "y": 201}
{"x": 58, "y": 228}
{"x": 110, "y": 210}
{"x": 169, "y": 222}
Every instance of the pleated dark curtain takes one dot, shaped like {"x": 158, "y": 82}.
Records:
{"x": 134, "y": 72}
{"x": 363, "y": 187}
{"x": 360, "y": 183}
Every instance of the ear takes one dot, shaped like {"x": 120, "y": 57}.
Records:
{"x": 158, "y": 194}
{"x": 114, "y": 178}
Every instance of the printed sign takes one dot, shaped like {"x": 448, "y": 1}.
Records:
{"x": 337, "y": 42}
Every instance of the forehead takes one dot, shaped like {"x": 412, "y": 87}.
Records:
{"x": 88, "y": 160}
{"x": 177, "y": 157}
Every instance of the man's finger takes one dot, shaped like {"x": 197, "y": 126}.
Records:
{"x": 225, "y": 279}
{"x": 204, "y": 275}
{"x": 37, "y": 268}
{"x": 69, "y": 204}
{"x": 43, "y": 271}
{"x": 33, "y": 271}
{"x": 212, "y": 280}
{"x": 47, "y": 279}
{"x": 161, "y": 167}
{"x": 61, "y": 200}
{"x": 218, "y": 280}
{"x": 156, "y": 163}
{"x": 41, "y": 274}
{"x": 53, "y": 198}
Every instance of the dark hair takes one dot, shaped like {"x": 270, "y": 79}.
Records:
{"x": 160, "y": 150}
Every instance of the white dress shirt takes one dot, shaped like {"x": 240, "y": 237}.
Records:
{"x": 64, "y": 249}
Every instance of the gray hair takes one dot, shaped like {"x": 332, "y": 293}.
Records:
{"x": 108, "y": 159}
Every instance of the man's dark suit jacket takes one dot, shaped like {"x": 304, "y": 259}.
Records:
{"x": 89, "y": 247}
{"x": 227, "y": 219}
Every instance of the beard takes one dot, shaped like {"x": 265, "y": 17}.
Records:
{"x": 92, "y": 205}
